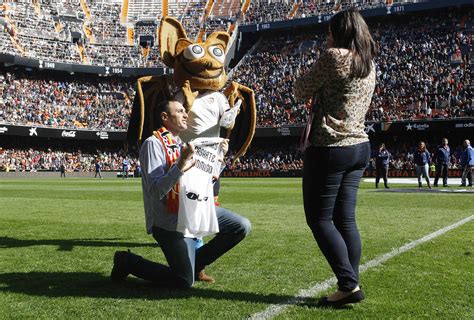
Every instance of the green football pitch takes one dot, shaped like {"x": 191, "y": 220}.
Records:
{"x": 58, "y": 238}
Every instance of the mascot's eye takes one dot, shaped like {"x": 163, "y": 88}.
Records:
{"x": 217, "y": 53}
{"x": 193, "y": 52}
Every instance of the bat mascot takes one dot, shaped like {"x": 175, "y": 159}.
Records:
{"x": 198, "y": 81}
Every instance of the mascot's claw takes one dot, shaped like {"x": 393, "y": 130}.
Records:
{"x": 189, "y": 95}
{"x": 232, "y": 93}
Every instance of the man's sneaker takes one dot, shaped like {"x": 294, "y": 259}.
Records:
{"x": 120, "y": 270}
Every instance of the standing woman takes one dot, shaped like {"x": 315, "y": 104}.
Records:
{"x": 422, "y": 160}
{"x": 341, "y": 84}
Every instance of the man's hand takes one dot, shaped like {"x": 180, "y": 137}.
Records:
{"x": 186, "y": 161}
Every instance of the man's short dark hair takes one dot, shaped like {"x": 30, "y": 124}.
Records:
{"x": 163, "y": 106}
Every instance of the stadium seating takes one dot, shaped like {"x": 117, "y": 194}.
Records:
{"x": 421, "y": 69}
{"x": 415, "y": 75}
{"x": 66, "y": 102}
{"x": 35, "y": 159}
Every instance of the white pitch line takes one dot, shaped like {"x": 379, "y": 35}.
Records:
{"x": 304, "y": 294}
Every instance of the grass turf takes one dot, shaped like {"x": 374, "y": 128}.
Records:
{"x": 58, "y": 237}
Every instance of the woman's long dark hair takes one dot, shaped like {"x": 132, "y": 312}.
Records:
{"x": 350, "y": 31}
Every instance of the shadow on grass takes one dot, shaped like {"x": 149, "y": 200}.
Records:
{"x": 314, "y": 303}
{"x": 89, "y": 284}
{"x": 69, "y": 244}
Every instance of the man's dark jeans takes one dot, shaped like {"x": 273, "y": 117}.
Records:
{"x": 184, "y": 260}
{"x": 441, "y": 171}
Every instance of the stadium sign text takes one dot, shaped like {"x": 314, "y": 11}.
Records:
{"x": 46, "y": 65}
{"x": 73, "y": 133}
{"x": 419, "y": 127}
{"x": 250, "y": 173}
{"x": 369, "y": 127}
{"x": 284, "y": 131}
{"x": 464, "y": 125}
{"x": 33, "y": 132}
{"x": 103, "y": 135}
{"x": 68, "y": 134}
{"x": 80, "y": 68}
{"x": 411, "y": 173}
{"x": 377, "y": 11}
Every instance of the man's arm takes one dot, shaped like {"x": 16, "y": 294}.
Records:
{"x": 158, "y": 181}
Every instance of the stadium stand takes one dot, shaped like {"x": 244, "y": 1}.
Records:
{"x": 423, "y": 71}
{"x": 416, "y": 78}
{"x": 79, "y": 32}
{"x": 66, "y": 101}
{"x": 34, "y": 160}
{"x": 263, "y": 155}
{"x": 262, "y": 11}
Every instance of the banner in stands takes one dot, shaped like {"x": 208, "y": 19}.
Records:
{"x": 42, "y": 132}
{"x": 392, "y": 173}
{"x": 372, "y": 128}
{"x": 413, "y": 127}
{"x": 260, "y": 173}
{"x": 381, "y": 11}
{"x": 81, "y": 68}
{"x": 452, "y": 173}
{"x": 279, "y": 131}
{"x": 296, "y": 131}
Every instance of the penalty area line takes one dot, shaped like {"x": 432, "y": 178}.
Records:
{"x": 275, "y": 309}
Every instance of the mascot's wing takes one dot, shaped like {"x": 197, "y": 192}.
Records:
{"x": 241, "y": 135}
{"x": 150, "y": 91}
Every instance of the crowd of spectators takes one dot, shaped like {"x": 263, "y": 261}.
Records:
{"x": 69, "y": 102}
{"x": 7, "y": 46}
{"x": 192, "y": 18}
{"x": 145, "y": 29}
{"x": 284, "y": 157}
{"x": 218, "y": 24}
{"x": 28, "y": 22}
{"x": 34, "y": 160}
{"x": 40, "y": 24}
{"x": 265, "y": 11}
{"x": 261, "y": 11}
{"x": 422, "y": 72}
{"x": 105, "y": 23}
{"x": 43, "y": 32}
{"x": 43, "y": 49}
{"x": 271, "y": 71}
{"x": 416, "y": 76}
{"x": 309, "y": 8}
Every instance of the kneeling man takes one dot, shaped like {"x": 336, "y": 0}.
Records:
{"x": 164, "y": 159}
